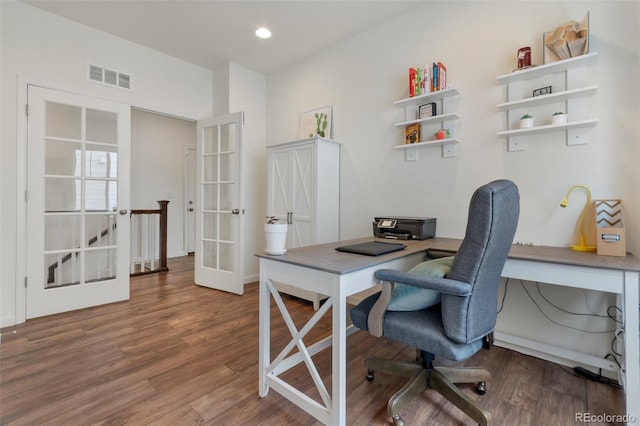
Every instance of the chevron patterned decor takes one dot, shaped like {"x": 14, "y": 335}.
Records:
{"x": 610, "y": 232}
{"x": 608, "y": 213}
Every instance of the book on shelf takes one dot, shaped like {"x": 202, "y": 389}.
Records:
{"x": 412, "y": 133}
{"x": 426, "y": 80}
{"x": 442, "y": 76}
{"x": 412, "y": 82}
{"x": 434, "y": 80}
{"x": 429, "y": 79}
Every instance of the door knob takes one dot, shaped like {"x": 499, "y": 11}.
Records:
{"x": 235, "y": 211}
{"x": 190, "y": 209}
{"x": 123, "y": 211}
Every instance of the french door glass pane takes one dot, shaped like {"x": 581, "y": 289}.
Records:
{"x": 101, "y": 161}
{"x": 62, "y": 232}
{"x": 102, "y": 126}
{"x": 100, "y": 265}
{"x": 226, "y": 256}
{"x": 100, "y": 230}
{"x": 62, "y": 158}
{"x": 227, "y": 168}
{"x": 100, "y": 195}
{"x": 228, "y": 137}
{"x": 62, "y": 268}
{"x": 210, "y": 168}
{"x": 226, "y": 226}
{"x": 210, "y": 196}
{"x": 62, "y": 194}
{"x": 63, "y": 121}
{"x": 210, "y": 140}
{"x": 209, "y": 254}
{"x": 227, "y": 194}
{"x": 209, "y": 226}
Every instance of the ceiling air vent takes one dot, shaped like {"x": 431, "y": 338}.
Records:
{"x": 109, "y": 77}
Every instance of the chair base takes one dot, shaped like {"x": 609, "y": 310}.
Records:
{"x": 441, "y": 379}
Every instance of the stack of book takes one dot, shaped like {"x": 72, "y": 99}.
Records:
{"x": 428, "y": 79}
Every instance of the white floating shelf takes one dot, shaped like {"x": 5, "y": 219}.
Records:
{"x": 549, "y": 128}
{"x": 435, "y": 142}
{"x": 546, "y": 69}
{"x": 553, "y": 97}
{"x": 429, "y": 120}
{"x": 429, "y": 97}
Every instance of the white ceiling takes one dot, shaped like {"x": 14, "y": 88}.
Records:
{"x": 211, "y": 32}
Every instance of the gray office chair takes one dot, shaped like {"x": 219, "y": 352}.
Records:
{"x": 462, "y": 322}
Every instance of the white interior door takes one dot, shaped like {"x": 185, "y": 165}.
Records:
{"x": 219, "y": 214}
{"x": 78, "y": 196}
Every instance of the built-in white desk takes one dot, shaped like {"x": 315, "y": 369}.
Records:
{"x": 322, "y": 269}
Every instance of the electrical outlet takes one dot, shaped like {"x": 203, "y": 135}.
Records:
{"x": 411, "y": 155}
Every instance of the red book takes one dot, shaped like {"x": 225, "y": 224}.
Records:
{"x": 412, "y": 82}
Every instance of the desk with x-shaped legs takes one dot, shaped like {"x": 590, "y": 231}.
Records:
{"x": 338, "y": 275}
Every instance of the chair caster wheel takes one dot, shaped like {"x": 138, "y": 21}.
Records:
{"x": 481, "y": 388}
{"x": 369, "y": 376}
{"x": 397, "y": 420}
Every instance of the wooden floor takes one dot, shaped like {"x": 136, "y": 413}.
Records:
{"x": 180, "y": 354}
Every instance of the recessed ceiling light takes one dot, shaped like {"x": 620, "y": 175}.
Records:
{"x": 263, "y": 32}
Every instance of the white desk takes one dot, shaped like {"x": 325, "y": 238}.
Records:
{"x": 322, "y": 269}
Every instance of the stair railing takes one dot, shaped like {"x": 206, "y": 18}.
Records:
{"x": 149, "y": 240}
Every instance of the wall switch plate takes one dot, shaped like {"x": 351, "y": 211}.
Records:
{"x": 577, "y": 136}
{"x": 411, "y": 155}
{"x": 516, "y": 143}
{"x": 449, "y": 150}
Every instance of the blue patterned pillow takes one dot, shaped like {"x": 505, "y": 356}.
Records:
{"x": 409, "y": 298}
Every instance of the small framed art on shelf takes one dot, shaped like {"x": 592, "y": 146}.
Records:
{"x": 412, "y": 133}
{"x": 316, "y": 122}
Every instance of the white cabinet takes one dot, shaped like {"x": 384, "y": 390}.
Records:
{"x": 446, "y": 118}
{"x": 304, "y": 191}
{"x": 570, "y": 88}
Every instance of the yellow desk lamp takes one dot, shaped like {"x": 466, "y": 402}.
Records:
{"x": 582, "y": 246}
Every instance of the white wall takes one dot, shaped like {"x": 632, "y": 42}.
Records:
{"x": 158, "y": 147}
{"x": 39, "y": 47}
{"x": 477, "y": 41}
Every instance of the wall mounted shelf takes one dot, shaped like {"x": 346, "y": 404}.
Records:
{"x": 429, "y": 97}
{"x": 547, "y": 69}
{"x": 570, "y": 76}
{"x": 448, "y": 148}
{"x": 446, "y": 119}
{"x": 425, "y": 144}
{"x": 435, "y": 119}
{"x": 545, "y": 99}
{"x": 550, "y": 128}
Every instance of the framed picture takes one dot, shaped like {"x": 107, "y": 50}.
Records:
{"x": 542, "y": 91}
{"x": 412, "y": 133}
{"x": 427, "y": 110}
{"x": 316, "y": 122}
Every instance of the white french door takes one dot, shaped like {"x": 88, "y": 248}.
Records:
{"x": 78, "y": 196}
{"x": 190, "y": 192}
{"x": 219, "y": 195}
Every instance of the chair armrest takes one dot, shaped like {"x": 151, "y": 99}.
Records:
{"x": 444, "y": 285}
{"x": 376, "y": 314}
